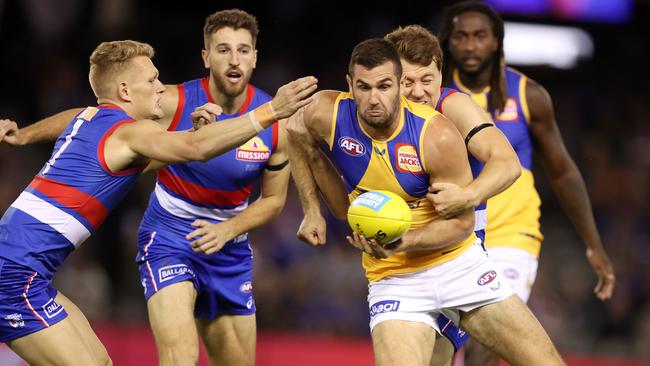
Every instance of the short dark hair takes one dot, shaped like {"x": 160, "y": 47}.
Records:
{"x": 498, "y": 94}
{"x": 234, "y": 18}
{"x": 417, "y": 45}
{"x": 374, "y": 52}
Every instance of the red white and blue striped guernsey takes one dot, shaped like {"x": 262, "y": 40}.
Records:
{"x": 215, "y": 190}
{"x": 70, "y": 197}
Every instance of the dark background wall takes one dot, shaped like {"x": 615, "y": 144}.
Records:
{"x": 601, "y": 107}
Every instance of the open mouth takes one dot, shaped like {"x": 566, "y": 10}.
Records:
{"x": 234, "y": 76}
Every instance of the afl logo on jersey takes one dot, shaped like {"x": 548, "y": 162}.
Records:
{"x": 351, "y": 146}
{"x": 254, "y": 150}
{"x": 509, "y": 111}
{"x": 407, "y": 159}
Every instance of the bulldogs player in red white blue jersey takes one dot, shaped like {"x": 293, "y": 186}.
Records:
{"x": 203, "y": 206}
{"x": 95, "y": 161}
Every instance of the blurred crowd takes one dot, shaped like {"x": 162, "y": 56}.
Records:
{"x": 601, "y": 107}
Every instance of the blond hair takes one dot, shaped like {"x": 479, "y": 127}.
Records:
{"x": 110, "y": 58}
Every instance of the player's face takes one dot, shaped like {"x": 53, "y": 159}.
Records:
{"x": 472, "y": 42}
{"x": 144, "y": 88}
{"x": 421, "y": 84}
{"x": 231, "y": 58}
{"x": 376, "y": 93}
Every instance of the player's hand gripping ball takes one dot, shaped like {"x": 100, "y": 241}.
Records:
{"x": 380, "y": 215}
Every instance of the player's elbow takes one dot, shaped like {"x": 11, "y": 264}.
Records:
{"x": 512, "y": 170}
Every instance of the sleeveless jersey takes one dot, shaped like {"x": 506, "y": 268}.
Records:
{"x": 396, "y": 165}
{"x": 70, "y": 197}
{"x": 513, "y": 217}
{"x": 480, "y": 211}
{"x": 219, "y": 188}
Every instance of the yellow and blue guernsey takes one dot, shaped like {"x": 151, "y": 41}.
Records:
{"x": 396, "y": 165}
{"x": 513, "y": 215}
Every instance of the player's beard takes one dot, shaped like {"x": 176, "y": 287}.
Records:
{"x": 381, "y": 122}
{"x": 229, "y": 89}
{"x": 482, "y": 66}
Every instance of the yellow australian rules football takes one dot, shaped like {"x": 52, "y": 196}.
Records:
{"x": 380, "y": 215}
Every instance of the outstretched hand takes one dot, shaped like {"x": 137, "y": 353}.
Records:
{"x": 9, "y": 132}
{"x": 208, "y": 237}
{"x": 293, "y": 96}
{"x": 605, "y": 272}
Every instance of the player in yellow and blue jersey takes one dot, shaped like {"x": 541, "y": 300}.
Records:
{"x": 472, "y": 39}
{"x": 379, "y": 140}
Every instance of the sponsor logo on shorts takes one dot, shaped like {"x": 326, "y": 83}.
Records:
{"x": 169, "y": 272}
{"x": 511, "y": 273}
{"x": 246, "y": 287}
{"x": 351, "y": 146}
{"x": 487, "y": 277}
{"x": 407, "y": 159}
{"x": 372, "y": 200}
{"x": 51, "y": 308}
{"x": 15, "y": 320}
{"x": 385, "y": 306}
{"x": 250, "y": 302}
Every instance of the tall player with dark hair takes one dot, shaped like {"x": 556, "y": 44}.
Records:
{"x": 472, "y": 40}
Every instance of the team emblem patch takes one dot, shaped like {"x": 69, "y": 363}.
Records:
{"x": 351, "y": 146}
{"x": 407, "y": 159}
{"x": 254, "y": 150}
{"x": 246, "y": 287}
{"x": 15, "y": 320}
{"x": 509, "y": 111}
{"x": 486, "y": 278}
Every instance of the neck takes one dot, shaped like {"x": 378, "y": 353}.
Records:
{"x": 478, "y": 81}
{"x": 230, "y": 105}
{"x": 126, "y": 107}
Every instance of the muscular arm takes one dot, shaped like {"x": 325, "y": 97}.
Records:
{"x": 567, "y": 183}
{"x": 445, "y": 159}
{"x": 47, "y": 129}
{"x": 489, "y": 146}
{"x": 268, "y": 206}
{"x": 50, "y": 128}
{"x": 146, "y": 139}
{"x": 306, "y": 128}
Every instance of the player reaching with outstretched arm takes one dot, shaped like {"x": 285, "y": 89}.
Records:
{"x": 95, "y": 161}
{"x": 198, "y": 279}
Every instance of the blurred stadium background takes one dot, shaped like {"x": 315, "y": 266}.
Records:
{"x": 311, "y": 302}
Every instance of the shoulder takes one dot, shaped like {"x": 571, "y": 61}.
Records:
{"x": 538, "y": 99}
{"x": 322, "y": 104}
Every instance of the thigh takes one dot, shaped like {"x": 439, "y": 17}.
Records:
{"x": 400, "y": 342}
{"x": 171, "y": 315}
{"x": 71, "y": 341}
{"x": 443, "y": 352}
{"x": 229, "y": 339}
{"x": 509, "y": 328}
